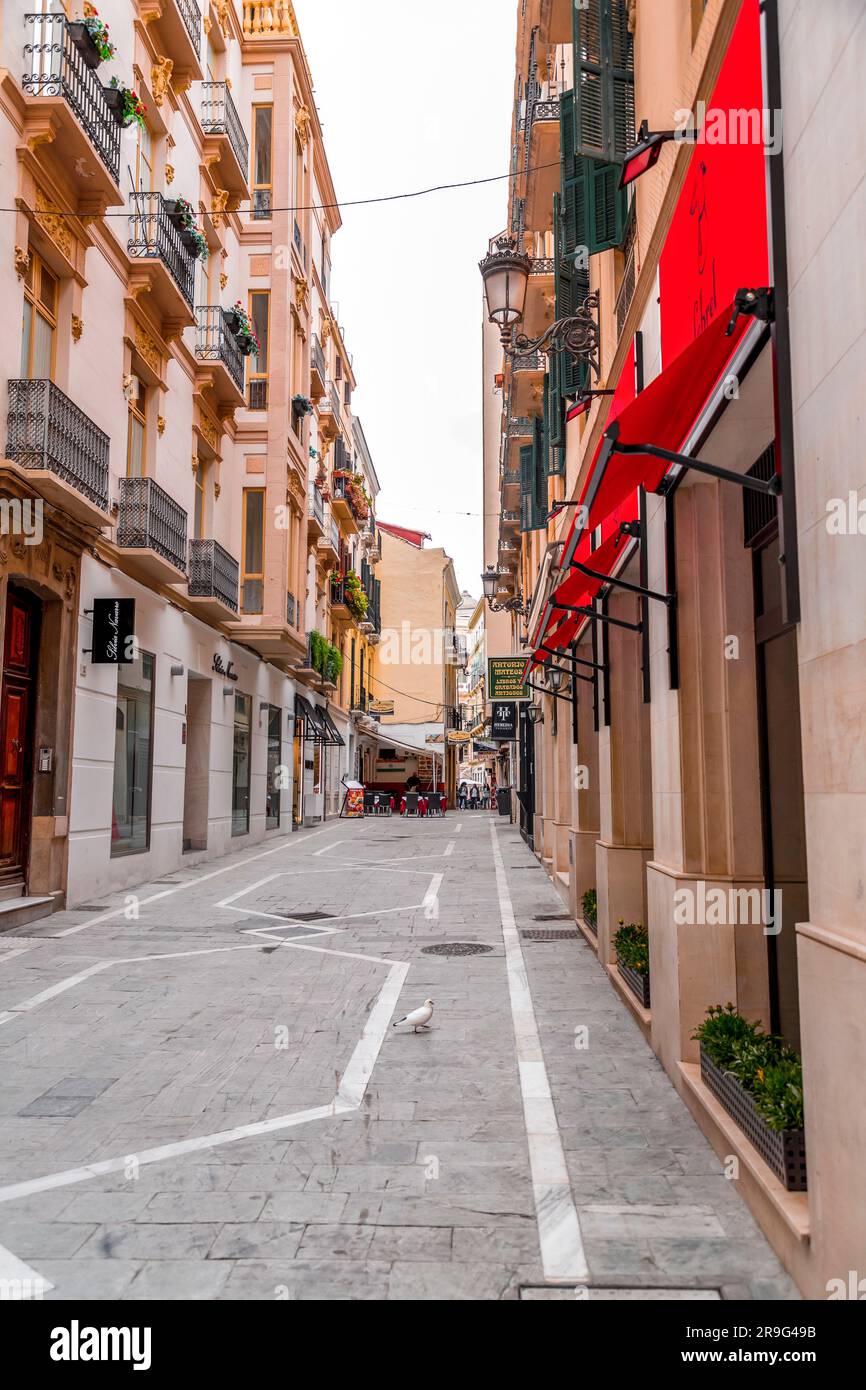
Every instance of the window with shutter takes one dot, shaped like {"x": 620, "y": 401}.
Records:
{"x": 571, "y": 286}
{"x": 594, "y": 207}
{"x": 604, "y": 80}
{"x": 556, "y": 408}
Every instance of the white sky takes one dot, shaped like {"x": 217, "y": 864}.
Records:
{"x": 412, "y": 94}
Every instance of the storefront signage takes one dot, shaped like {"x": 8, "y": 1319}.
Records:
{"x": 458, "y": 736}
{"x": 225, "y": 670}
{"x": 113, "y": 632}
{"x": 380, "y": 706}
{"x": 505, "y": 678}
{"x": 504, "y": 724}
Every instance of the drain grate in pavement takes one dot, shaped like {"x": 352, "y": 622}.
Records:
{"x": 456, "y": 948}
{"x": 530, "y": 935}
{"x": 307, "y": 916}
{"x": 88, "y": 907}
{"x": 552, "y": 917}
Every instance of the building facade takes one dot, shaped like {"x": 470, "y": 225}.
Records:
{"x": 687, "y": 749}
{"x": 180, "y": 449}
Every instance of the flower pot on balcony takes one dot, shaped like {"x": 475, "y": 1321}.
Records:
{"x": 114, "y": 102}
{"x": 232, "y": 321}
{"x": 783, "y": 1151}
{"x": 246, "y": 347}
{"x": 85, "y": 43}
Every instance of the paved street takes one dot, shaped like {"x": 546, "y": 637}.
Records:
{"x": 208, "y": 1100}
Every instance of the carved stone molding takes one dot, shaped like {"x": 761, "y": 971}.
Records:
{"x": 160, "y": 424}
{"x": 148, "y": 348}
{"x": 224, "y": 279}
{"x": 169, "y": 173}
{"x": 303, "y": 122}
{"x": 76, "y": 325}
{"x": 302, "y": 290}
{"x": 218, "y": 205}
{"x": 160, "y": 79}
{"x": 57, "y": 228}
{"x": 22, "y": 262}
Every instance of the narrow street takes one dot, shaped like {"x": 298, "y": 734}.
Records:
{"x": 209, "y": 1101}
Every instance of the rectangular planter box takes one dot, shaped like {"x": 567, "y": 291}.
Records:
{"x": 591, "y": 924}
{"x": 784, "y": 1151}
{"x": 638, "y": 984}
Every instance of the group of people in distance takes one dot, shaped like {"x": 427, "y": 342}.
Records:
{"x": 471, "y": 797}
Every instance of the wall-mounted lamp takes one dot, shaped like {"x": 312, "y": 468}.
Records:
{"x": 228, "y": 690}
{"x": 489, "y": 581}
{"x": 646, "y": 152}
{"x": 177, "y": 670}
{"x": 555, "y": 676}
{"x": 263, "y": 705}
{"x": 535, "y": 714}
{"x": 505, "y": 272}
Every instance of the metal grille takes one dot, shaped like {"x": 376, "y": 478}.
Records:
{"x": 456, "y": 948}
{"x": 151, "y": 520}
{"x": 626, "y": 289}
{"x": 316, "y": 505}
{"x": 550, "y": 935}
{"x": 45, "y": 429}
{"x": 291, "y": 609}
{"x": 759, "y": 508}
{"x": 213, "y": 573}
{"x": 258, "y": 394}
{"x": 191, "y": 16}
{"x": 152, "y": 234}
{"x": 529, "y": 362}
{"x": 219, "y": 116}
{"x": 519, "y": 427}
{"x": 214, "y": 342}
{"x": 56, "y": 68}
{"x": 317, "y": 358}
{"x": 261, "y": 204}
{"x": 542, "y": 265}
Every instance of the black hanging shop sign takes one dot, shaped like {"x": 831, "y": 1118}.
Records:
{"x": 504, "y": 721}
{"x": 113, "y": 632}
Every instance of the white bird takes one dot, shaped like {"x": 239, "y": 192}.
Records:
{"x": 418, "y": 1018}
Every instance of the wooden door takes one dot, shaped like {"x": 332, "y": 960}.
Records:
{"x": 20, "y": 647}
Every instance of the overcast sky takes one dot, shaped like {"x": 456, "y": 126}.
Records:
{"x": 411, "y": 95}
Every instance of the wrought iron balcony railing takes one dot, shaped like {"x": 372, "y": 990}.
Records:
{"x": 531, "y": 362}
{"x": 519, "y": 427}
{"x": 55, "y": 67}
{"x": 510, "y": 476}
{"x": 154, "y": 236}
{"x": 261, "y": 204}
{"x": 317, "y": 357}
{"x": 343, "y": 491}
{"x": 257, "y": 395}
{"x": 214, "y": 342}
{"x": 316, "y": 505}
{"x": 332, "y": 534}
{"x": 213, "y": 573}
{"x": 292, "y": 610}
{"x": 542, "y": 265}
{"x": 151, "y": 520}
{"x": 625, "y": 293}
{"x": 219, "y": 116}
{"x": 191, "y": 16}
{"x": 335, "y": 398}
{"x": 45, "y": 429}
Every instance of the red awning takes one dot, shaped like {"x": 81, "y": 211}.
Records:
{"x": 662, "y": 414}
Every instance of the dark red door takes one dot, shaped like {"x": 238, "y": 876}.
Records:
{"x": 16, "y": 725}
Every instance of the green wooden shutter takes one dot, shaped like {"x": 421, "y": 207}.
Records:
{"x": 557, "y": 413}
{"x": 539, "y": 476}
{"x": 604, "y": 80}
{"x": 527, "y": 461}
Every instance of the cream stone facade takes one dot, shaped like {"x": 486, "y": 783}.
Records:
{"x": 178, "y": 413}
{"x": 704, "y": 743}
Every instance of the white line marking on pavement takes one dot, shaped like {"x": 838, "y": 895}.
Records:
{"x": 18, "y": 1280}
{"x": 190, "y": 883}
{"x": 458, "y": 827}
{"x": 326, "y": 849}
{"x": 562, "y": 1253}
{"x": 430, "y": 897}
{"x": 449, "y": 849}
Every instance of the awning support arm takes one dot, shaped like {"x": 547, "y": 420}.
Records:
{"x": 566, "y": 656}
{"x": 772, "y": 485}
{"x": 599, "y": 617}
{"x": 623, "y": 584}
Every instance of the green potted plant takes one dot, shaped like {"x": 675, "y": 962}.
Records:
{"x": 631, "y": 943}
{"x": 758, "y": 1080}
{"x": 355, "y": 598}
{"x": 589, "y": 903}
{"x": 301, "y": 406}
{"x": 90, "y": 37}
{"x": 239, "y": 323}
{"x": 124, "y": 104}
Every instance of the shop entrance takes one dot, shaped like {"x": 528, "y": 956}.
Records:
{"x": 196, "y": 775}
{"x": 17, "y": 709}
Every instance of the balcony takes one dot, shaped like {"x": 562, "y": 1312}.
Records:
{"x": 216, "y": 345}
{"x": 315, "y": 514}
{"x": 625, "y": 294}
{"x": 340, "y": 610}
{"x": 329, "y": 542}
{"x": 58, "y": 449}
{"x": 151, "y": 530}
{"x": 68, "y": 112}
{"x": 293, "y": 610}
{"x": 541, "y": 133}
{"x": 155, "y": 237}
{"x": 226, "y": 146}
{"x": 318, "y": 370}
{"x": 177, "y": 31}
{"x": 213, "y": 581}
{"x": 343, "y": 504}
{"x": 527, "y": 382}
{"x": 510, "y": 518}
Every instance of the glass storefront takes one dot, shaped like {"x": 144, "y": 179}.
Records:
{"x": 241, "y": 766}
{"x": 133, "y": 757}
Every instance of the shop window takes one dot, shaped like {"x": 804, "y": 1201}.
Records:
{"x": 259, "y": 310}
{"x": 262, "y": 175}
{"x": 272, "y": 803}
{"x": 40, "y": 320}
{"x": 241, "y": 766}
{"x": 136, "y": 439}
{"x": 133, "y": 757}
{"x": 253, "y": 577}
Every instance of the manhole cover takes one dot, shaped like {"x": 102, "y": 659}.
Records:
{"x": 550, "y": 935}
{"x": 552, "y": 917}
{"x": 456, "y": 948}
{"x": 307, "y": 916}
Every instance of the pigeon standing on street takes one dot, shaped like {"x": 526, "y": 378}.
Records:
{"x": 418, "y": 1018}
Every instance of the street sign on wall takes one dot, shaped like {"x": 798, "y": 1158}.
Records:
{"x": 505, "y": 678}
